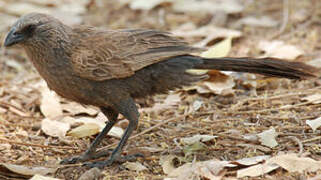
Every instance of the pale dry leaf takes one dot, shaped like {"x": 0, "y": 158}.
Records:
{"x": 252, "y": 160}
{"x": 40, "y": 177}
{"x": 267, "y": 138}
{"x": 294, "y": 163}
{"x": 263, "y": 21}
{"x": 197, "y": 138}
{"x": 146, "y": 5}
{"x": 100, "y": 122}
{"x": 314, "y": 98}
{"x": 170, "y": 101}
{"x": 220, "y": 49}
{"x": 91, "y": 174}
{"x": 314, "y": 124}
{"x": 315, "y": 62}
{"x": 222, "y": 88}
{"x": 208, "y": 6}
{"x": 27, "y": 171}
{"x": 76, "y": 108}
{"x": 167, "y": 163}
{"x": 257, "y": 170}
{"x": 84, "y": 130}
{"x": 207, "y": 169}
{"x": 54, "y": 128}
{"x": 134, "y": 166}
{"x": 278, "y": 49}
{"x": 209, "y": 32}
{"x": 197, "y": 104}
{"x": 50, "y": 105}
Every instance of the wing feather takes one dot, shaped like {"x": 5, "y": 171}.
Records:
{"x": 101, "y": 55}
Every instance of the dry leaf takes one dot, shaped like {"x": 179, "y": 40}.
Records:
{"x": 278, "y": 49}
{"x": 257, "y": 170}
{"x": 208, "y": 6}
{"x": 197, "y": 138}
{"x": 222, "y": 88}
{"x": 314, "y": 124}
{"x": 85, "y": 130}
{"x": 167, "y": 163}
{"x": 50, "y": 105}
{"x": 263, "y": 21}
{"x": 293, "y": 163}
{"x": 267, "y": 138}
{"x": 252, "y": 160}
{"x": 134, "y": 166}
{"x": 208, "y": 32}
{"x": 54, "y": 128}
{"x": 40, "y": 177}
{"x": 314, "y": 98}
{"x": 76, "y": 108}
{"x": 315, "y": 62}
{"x": 27, "y": 171}
{"x": 220, "y": 49}
{"x": 207, "y": 169}
{"x": 91, "y": 174}
{"x": 145, "y": 5}
{"x": 170, "y": 101}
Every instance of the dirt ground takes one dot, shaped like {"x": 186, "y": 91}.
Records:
{"x": 234, "y": 119}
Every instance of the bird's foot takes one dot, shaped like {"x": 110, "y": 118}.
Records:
{"x": 85, "y": 157}
{"x": 110, "y": 161}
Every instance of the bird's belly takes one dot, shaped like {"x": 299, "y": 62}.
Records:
{"x": 71, "y": 87}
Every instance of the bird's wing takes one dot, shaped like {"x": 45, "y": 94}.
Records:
{"x": 101, "y": 55}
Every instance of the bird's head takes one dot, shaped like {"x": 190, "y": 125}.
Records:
{"x": 29, "y": 28}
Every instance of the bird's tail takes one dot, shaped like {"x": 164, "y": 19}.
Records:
{"x": 264, "y": 66}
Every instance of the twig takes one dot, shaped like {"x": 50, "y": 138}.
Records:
{"x": 299, "y": 143}
{"x": 36, "y": 145}
{"x": 312, "y": 139}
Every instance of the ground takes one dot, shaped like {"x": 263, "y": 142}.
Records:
{"x": 235, "y": 119}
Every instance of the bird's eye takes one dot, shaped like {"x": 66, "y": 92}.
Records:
{"x": 28, "y": 29}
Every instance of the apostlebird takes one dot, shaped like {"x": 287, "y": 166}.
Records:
{"x": 111, "y": 68}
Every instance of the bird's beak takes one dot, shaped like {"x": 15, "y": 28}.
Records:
{"x": 13, "y": 38}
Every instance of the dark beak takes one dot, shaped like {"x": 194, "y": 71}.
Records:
{"x": 13, "y": 38}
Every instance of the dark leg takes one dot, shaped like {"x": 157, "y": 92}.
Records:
{"x": 90, "y": 153}
{"x": 129, "y": 110}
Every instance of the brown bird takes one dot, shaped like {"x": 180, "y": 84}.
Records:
{"x": 111, "y": 68}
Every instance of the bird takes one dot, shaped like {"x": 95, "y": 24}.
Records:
{"x": 110, "y": 69}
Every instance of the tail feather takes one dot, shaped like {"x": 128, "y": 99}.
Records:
{"x": 265, "y": 66}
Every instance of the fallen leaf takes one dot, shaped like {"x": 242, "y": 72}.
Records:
{"x": 85, "y": 130}
{"x": 267, "y": 138}
{"x": 40, "y": 177}
{"x": 54, "y": 128}
{"x": 209, "y": 32}
{"x": 227, "y": 6}
{"x": 278, "y": 49}
{"x": 314, "y": 124}
{"x": 197, "y": 138}
{"x": 314, "y": 98}
{"x": 167, "y": 163}
{"x": 134, "y": 166}
{"x": 91, "y": 174}
{"x": 293, "y": 163}
{"x": 146, "y": 5}
{"x": 257, "y": 170}
{"x": 50, "y": 105}
{"x": 211, "y": 169}
{"x": 221, "y": 88}
{"x": 263, "y": 21}
{"x": 26, "y": 171}
{"x": 76, "y": 108}
{"x": 315, "y": 62}
{"x": 252, "y": 160}
{"x": 220, "y": 49}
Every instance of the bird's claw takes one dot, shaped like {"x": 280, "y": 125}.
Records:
{"x": 109, "y": 162}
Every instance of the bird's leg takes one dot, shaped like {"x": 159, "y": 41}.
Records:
{"x": 129, "y": 110}
{"x": 91, "y": 151}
